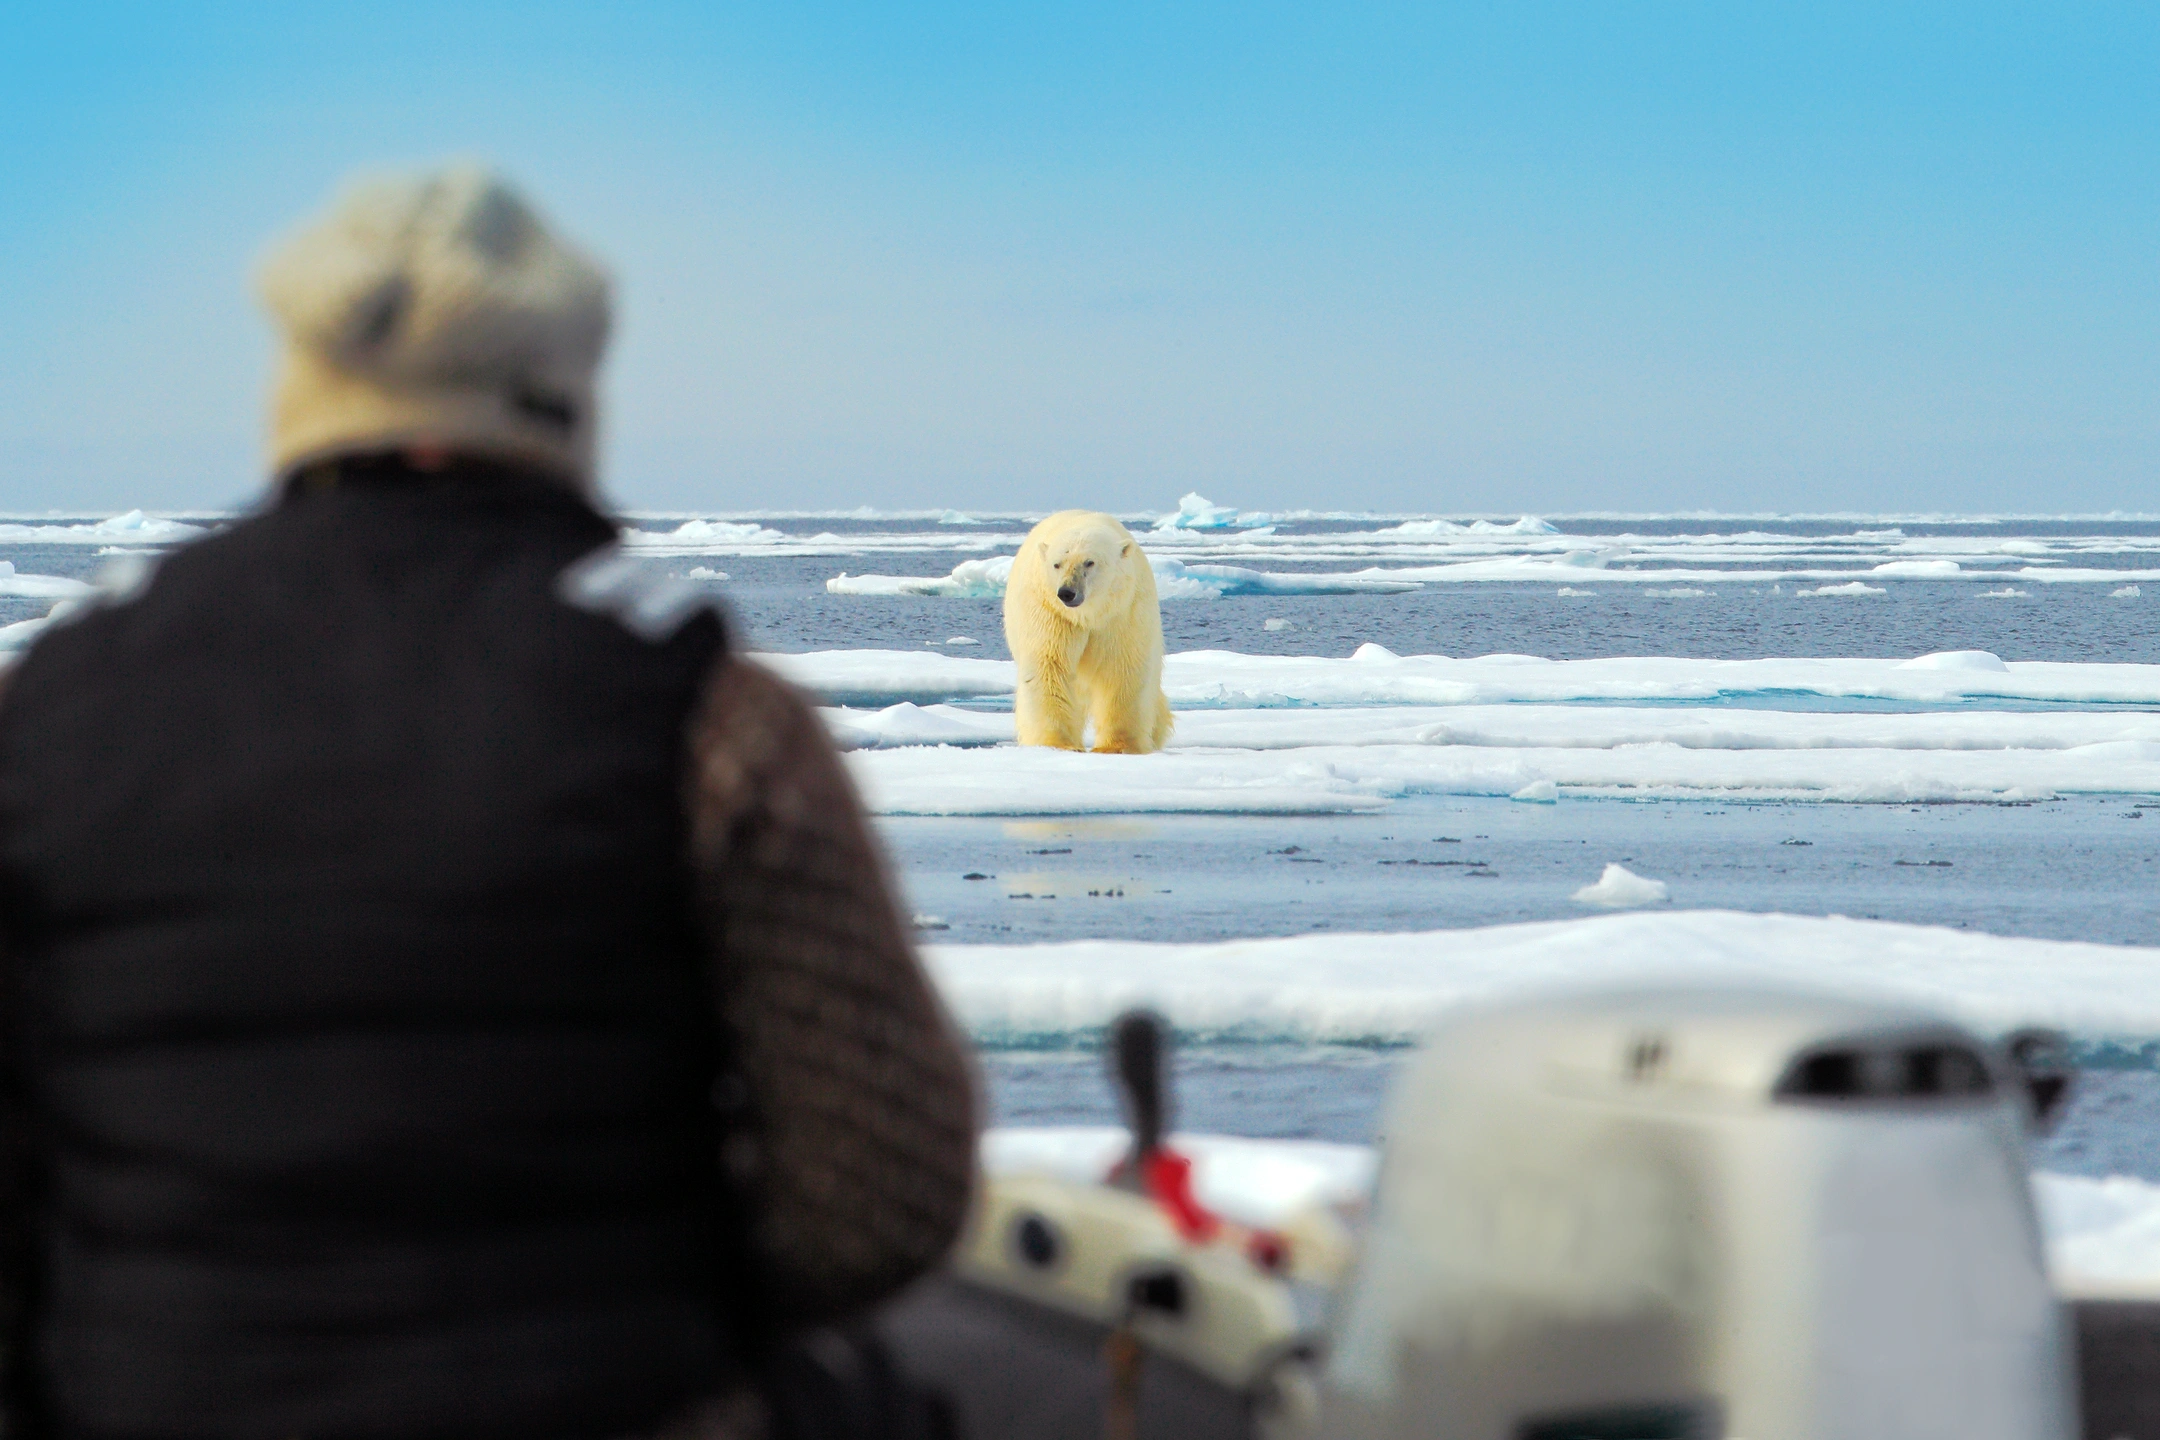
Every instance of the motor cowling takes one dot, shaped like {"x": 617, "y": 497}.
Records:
{"x": 1702, "y": 1213}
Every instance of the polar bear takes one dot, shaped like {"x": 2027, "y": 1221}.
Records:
{"x": 1085, "y": 632}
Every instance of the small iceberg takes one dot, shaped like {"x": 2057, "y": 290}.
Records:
{"x": 1620, "y": 888}
{"x": 1986, "y": 660}
{"x": 1538, "y": 792}
{"x": 1196, "y": 512}
{"x": 2126, "y": 592}
{"x": 706, "y": 572}
{"x": 1857, "y": 587}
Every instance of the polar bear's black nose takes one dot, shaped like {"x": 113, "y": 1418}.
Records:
{"x": 1068, "y": 594}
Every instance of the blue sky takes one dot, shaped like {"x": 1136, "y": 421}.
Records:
{"x": 1533, "y": 257}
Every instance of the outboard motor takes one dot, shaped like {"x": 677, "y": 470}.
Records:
{"x": 1687, "y": 1214}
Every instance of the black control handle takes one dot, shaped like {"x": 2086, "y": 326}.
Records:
{"x": 1139, "y": 1056}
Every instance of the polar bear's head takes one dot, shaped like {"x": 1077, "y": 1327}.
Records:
{"x": 1090, "y": 561}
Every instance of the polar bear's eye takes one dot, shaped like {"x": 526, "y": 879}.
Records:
{"x": 1089, "y": 566}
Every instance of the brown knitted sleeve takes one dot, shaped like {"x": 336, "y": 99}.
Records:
{"x": 856, "y": 1149}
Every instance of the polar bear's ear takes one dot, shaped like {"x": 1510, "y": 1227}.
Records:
{"x": 1125, "y": 549}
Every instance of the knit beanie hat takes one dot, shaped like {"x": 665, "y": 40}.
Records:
{"x": 435, "y": 309}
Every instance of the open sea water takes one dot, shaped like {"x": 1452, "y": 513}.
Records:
{"x": 2083, "y": 868}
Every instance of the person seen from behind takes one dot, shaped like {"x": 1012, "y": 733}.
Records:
{"x": 448, "y": 991}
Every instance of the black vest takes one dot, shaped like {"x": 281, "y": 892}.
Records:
{"x": 357, "y": 1019}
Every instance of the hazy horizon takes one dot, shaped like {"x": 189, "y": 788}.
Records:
{"x": 1555, "y": 260}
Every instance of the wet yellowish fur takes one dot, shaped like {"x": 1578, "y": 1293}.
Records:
{"x": 1099, "y": 660}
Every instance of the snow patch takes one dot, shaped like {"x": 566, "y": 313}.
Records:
{"x": 1620, "y": 888}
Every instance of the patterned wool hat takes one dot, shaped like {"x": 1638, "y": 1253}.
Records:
{"x": 435, "y": 309}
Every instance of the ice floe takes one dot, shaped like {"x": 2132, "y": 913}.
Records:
{"x": 1276, "y": 755}
{"x": 1606, "y": 727}
{"x": 131, "y": 528}
{"x": 1174, "y": 580}
{"x": 1373, "y": 675}
{"x": 1620, "y": 888}
{"x": 17, "y": 586}
{"x": 1419, "y": 549}
{"x": 1345, "y": 779}
{"x": 2103, "y": 1236}
{"x": 1389, "y": 989}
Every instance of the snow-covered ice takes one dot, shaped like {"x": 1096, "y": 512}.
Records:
{"x": 1174, "y": 580}
{"x": 1534, "y": 726}
{"x": 1389, "y": 989}
{"x": 1321, "y": 779}
{"x": 1620, "y": 888}
{"x": 39, "y": 587}
{"x": 2103, "y": 1234}
{"x": 1216, "y": 679}
{"x": 131, "y": 528}
{"x": 1302, "y": 735}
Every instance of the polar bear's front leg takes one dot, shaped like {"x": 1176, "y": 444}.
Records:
{"x": 1131, "y": 715}
{"x": 1047, "y": 701}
